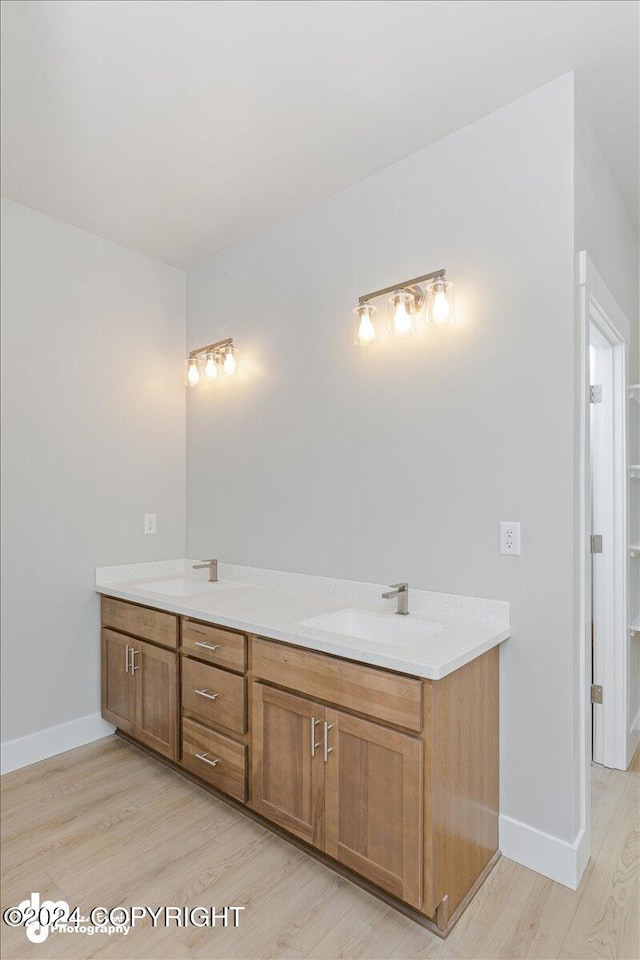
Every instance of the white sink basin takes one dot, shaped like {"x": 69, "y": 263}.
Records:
{"x": 377, "y": 627}
{"x": 180, "y": 587}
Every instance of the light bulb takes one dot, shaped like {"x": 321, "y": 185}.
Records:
{"x": 441, "y": 310}
{"x": 211, "y": 366}
{"x": 401, "y": 319}
{"x": 229, "y": 365}
{"x": 366, "y": 329}
{"x": 193, "y": 373}
{"x": 441, "y": 301}
{"x": 366, "y": 332}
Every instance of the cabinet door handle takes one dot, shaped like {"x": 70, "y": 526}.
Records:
{"x": 326, "y": 749}
{"x": 314, "y": 724}
{"x": 205, "y": 693}
{"x": 205, "y": 758}
{"x": 126, "y": 658}
{"x": 207, "y": 646}
{"x": 134, "y": 667}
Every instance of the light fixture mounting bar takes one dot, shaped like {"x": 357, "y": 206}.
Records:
{"x": 402, "y": 286}
{"x": 211, "y": 347}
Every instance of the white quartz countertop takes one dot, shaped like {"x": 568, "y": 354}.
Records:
{"x": 275, "y": 605}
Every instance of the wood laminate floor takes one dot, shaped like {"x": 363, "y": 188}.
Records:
{"x": 107, "y": 825}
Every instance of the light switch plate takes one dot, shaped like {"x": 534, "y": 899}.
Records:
{"x": 149, "y": 523}
{"x": 510, "y": 538}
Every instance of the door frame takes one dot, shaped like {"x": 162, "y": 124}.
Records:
{"x": 596, "y": 305}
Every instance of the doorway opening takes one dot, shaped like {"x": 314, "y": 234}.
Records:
{"x": 603, "y": 335}
{"x": 608, "y": 540}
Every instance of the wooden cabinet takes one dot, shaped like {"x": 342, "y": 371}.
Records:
{"x": 288, "y": 770}
{"x": 392, "y": 778}
{"x": 214, "y": 706}
{"x": 348, "y": 786}
{"x": 140, "y": 690}
{"x": 373, "y": 803}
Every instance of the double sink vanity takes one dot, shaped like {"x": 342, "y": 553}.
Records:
{"x": 367, "y": 738}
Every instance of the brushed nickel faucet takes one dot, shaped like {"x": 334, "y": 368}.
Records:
{"x": 213, "y": 569}
{"x": 401, "y": 591}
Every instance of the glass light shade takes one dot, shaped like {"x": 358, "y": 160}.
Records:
{"x": 366, "y": 332}
{"x": 440, "y": 308}
{"x": 402, "y": 308}
{"x": 193, "y": 371}
{"x": 211, "y": 366}
{"x": 229, "y": 363}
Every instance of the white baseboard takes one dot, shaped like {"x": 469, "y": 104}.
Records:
{"x": 554, "y": 858}
{"x": 54, "y": 740}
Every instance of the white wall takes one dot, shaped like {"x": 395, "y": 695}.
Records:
{"x": 604, "y": 230}
{"x": 93, "y": 437}
{"x": 399, "y": 462}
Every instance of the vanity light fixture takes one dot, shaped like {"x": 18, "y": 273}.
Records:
{"x": 211, "y": 361}
{"x": 405, "y": 301}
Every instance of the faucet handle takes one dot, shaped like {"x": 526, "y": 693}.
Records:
{"x": 399, "y": 586}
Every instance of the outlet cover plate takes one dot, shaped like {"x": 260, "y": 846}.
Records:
{"x": 149, "y": 523}
{"x": 510, "y": 538}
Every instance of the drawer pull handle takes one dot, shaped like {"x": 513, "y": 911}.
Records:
{"x": 207, "y": 646}
{"x": 205, "y": 758}
{"x": 134, "y": 665}
{"x": 326, "y": 748}
{"x": 314, "y": 744}
{"x": 205, "y": 693}
{"x": 126, "y": 659}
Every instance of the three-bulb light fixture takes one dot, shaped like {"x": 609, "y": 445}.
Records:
{"x": 210, "y": 362}
{"x": 406, "y": 300}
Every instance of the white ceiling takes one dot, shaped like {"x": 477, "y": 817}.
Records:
{"x": 177, "y": 128}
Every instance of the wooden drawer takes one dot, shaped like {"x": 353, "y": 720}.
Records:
{"x": 141, "y": 622}
{"x": 201, "y": 747}
{"x": 202, "y": 683}
{"x": 215, "y": 645}
{"x": 368, "y": 690}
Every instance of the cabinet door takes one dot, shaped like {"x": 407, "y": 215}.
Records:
{"x": 287, "y": 767}
{"x": 118, "y": 699}
{"x": 156, "y": 711}
{"x": 373, "y": 803}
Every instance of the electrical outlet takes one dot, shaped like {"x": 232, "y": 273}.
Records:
{"x": 149, "y": 523}
{"x": 510, "y": 537}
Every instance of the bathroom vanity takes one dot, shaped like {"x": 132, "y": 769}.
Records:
{"x": 390, "y": 776}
